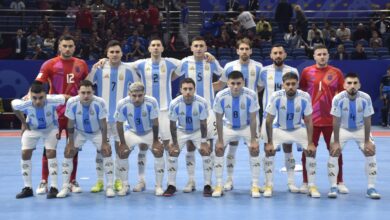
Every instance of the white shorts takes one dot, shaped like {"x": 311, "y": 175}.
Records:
{"x": 183, "y": 137}
{"x": 164, "y": 125}
{"x": 353, "y": 135}
{"x": 211, "y": 125}
{"x": 298, "y": 136}
{"x": 30, "y": 138}
{"x": 230, "y": 135}
{"x": 112, "y": 132}
{"x": 132, "y": 139}
{"x": 82, "y": 137}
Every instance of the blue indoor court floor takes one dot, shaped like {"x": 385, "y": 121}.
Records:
{"x": 236, "y": 204}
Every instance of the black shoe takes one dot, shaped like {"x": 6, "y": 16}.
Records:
{"x": 26, "y": 192}
{"x": 207, "y": 191}
{"x": 52, "y": 193}
{"x": 170, "y": 191}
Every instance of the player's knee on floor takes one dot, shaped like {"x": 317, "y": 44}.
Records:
{"x": 50, "y": 154}
{"x": 26, "y": 154}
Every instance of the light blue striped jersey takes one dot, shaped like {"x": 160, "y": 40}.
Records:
{"x": 271, "y": 80}
{"x": 289, "y": 112}
{"x": 87, "y": 118}
{"x": 157, "y": 78}
{"x": 188, "y": 117}
{"x": 112, "y": 84}
{"x": 202, "y": 73}
{"x": 236, "y": 110}
{"x": 352, "y": 112}
{"x": 40, "y": 118}
{"x": 251, "y": 72}
{"x": 140, "y": 117}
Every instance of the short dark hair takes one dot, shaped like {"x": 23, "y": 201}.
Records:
{"x": 155, "y": 38}
{"x": 113, "y": 43}
{"x": 187, "y": 80}
{"x": 198, "y": 38}
{"x": 37, "y": 87}
{"x": 235, "y": 75}
{"x": 320, "y": 46}
{"x": 289, "y": 75}
{"x": 351, "y": 75}
{"x": 277, "y": 45}
{"x": 66, "y": 37}
{"x": 86, "y": 83}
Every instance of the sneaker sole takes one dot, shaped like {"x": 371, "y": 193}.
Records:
{"x": 331, "y": 196}
{"x": 373, "y": 197}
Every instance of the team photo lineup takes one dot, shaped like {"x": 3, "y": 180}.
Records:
{"x": 121, "y": 107}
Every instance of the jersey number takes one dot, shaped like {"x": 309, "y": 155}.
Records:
{"x": 155, "y": 78}
{"x": 278, "y": 86}
{"x": 70, "y": 78}
{"x": 290, "y": 116}
{"x": 188, "y": 120}
{"x": 352, "y": 117}
{"x": 235, "y": 114}
{"x": 137, "y": 121}
{"x": 199, "y": 77}
{"x": 113, "y": 86}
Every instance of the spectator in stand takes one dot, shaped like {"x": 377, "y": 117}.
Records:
{"x": 289, "y": 34}
{"x": 283, "y": 15}
{"x": 139, "y": 16}
{"x": 383, "y": 24}
{"x": 50, "y": 41}
{"x": 97, "y": 6}
{"x": 124, "y": 16}
{"x": 333, "y": 40}
{"x": 247, "y": 22}
{"x": 110, "y": 15}
{"x": 232, "y": 6}
{"x": 252, "y": 5}
{"x": 343, "y": 32}
{"x": 358, "y": 53}
{"x": 137, "y": 52}
{"x": 84, "y": 19}
{"x": 18, "y": 6}
{"x": 260, "y": 25}
{"x": 340, "y": 53}
{"x": 312, "y": 32}
{"x": 224, "y": 41}
{"x": 39, "y": 54}
{"x": 33, "y": 40}
{"x": 183, "y": 28}
{"x": 301, "y": 21}
{"x": 327, "y": 29}
{"x": 265, "y": 34}
{"x": 360, "y": 33}
{"x": 317, "y": 40}
{"x": 153, "y": 17}
{"x": 20, "y": 45}
{"x": 297, "y": 41}
{"x": 375, "y": 40}
{"x": 135, "y": 37}
{"x": 72, "y": 10}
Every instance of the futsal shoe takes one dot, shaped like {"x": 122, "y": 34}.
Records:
{"x": 124, "y": 191}
{"x": 304, "y": 188}
{"x": 75, "y": 187}
{"x": 118, "y": 185}
{"x": 313, "y": 192}
{"x": 98, "y": 187}
{"x": 110, "y": 193}
{"x": 228, "y": 185}
{"x": 218, "y": 191}
{"x": 26, "y": 192}
{"x": 342, "y": 188}
{"x": 141, "y": 186}
{"x": 52, "y": 193}
{"x": 268, "y": 192}
{"x": 42, "y": 188}
{"x": 333, "y": 192}
{"x": 170, "y": 191}
{"x": 373, "y": 194}
{"x": 292, "y": 188}
{"x": 207, "y": 191}
{"x": 63, "y": 193}
{"x": 159, "y": 191}
{"x": 255, "y": 192}
{"x": 190, "y": 187}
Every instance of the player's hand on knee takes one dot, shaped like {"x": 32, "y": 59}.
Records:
{"x": 123, "y": 150}
{"x": 254, "y": 148}
{"x": 369, "y": 148}
{"x": 106, "y": 149}
{"x": 205, "y": 149}
{"x": 269, "y": 149}
{"x": 311, "y": 150}
{"x": 70, "y": 151}
{"x": 173, "y": 150}
{"x": 335, "y": 149}
{"x": 157, "y": 149}
{"x": 219, "y": 148}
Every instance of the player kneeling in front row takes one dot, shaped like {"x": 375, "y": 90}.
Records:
{"x": 188, "y": 112}
{"x": 238, "y": 106}
{"x": 289, "y": 105}
{"x": 87, "y": 121}
{"x": 352, "y": 111}
{"x": 41, "y": 122}
{"x": 141, "y": 113}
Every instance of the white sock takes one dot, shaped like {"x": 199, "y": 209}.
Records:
{"x": 289, "y": 162}
{"x": 172, "y": 170}
{"x": 123, "y": 165}
{"x": 255, "y": 170}
{"x": 207, "y": 169}
{"x": 190, "y": 163}
{"x": 141, "y": 165}
{"x": 333, "y": 170}
{"x": 117, "y": 176}
{"x": 159, "y": 165}
{"x": 311, "y": 170}
{"x": 218, "y": 167}
{"x": 231, "y": 160}
{"x": 26, "y": 172}
{"x": 67, "y": 168}
{"x": 109, "y": 170}
{"x": 99, "y": 166}
{"x": 371, "y": 171}
{"x": 269, "y": 170}
{"x": 53, "y": 172}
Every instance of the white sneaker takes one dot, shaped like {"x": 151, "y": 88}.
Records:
{"x": 63, "y": 193}
{"x": 313, "y": 192}
{"x": 159, "y": 191}
{"x": 42, "y": 188}
{"x": 190, "y": 187}
{"x": 342, "y": 188}
{"x": 304, "y": 188}
{"x": 293, "y": 188}
{"x": 218, "y": 191}
{"x": 124, "y": 191}
{"x": 228, "y": 185}
{"x": 141, "y": 186}
{"x": 75, "y": 187}
{"x": 110, "y": 192}
{"x": 267, "y": 192}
